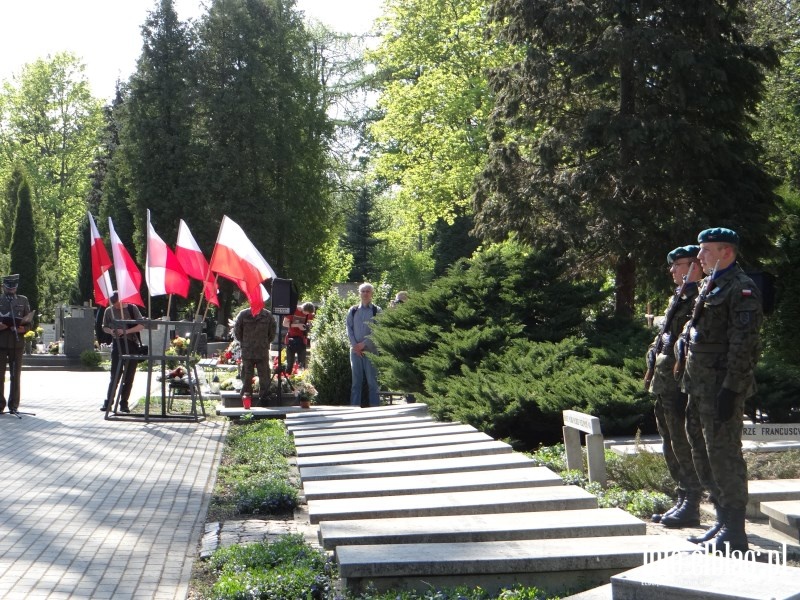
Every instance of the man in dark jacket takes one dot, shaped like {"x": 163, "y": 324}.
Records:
{"x": 15, "y": 321}
{"x": 255, "y": 334}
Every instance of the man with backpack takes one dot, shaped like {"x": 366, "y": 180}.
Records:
{"x": 359, "y": 320}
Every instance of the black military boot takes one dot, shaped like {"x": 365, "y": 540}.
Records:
{"x": 656, "y": 518}
{"x": 688, "y": 515}
{"x": 713, "y": 530}
{"x": 732, "y": 533}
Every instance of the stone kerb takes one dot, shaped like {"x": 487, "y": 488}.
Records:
{"x": 574, "y": 423}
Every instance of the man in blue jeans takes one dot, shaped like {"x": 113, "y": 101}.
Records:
{"x": 359, "y": 320}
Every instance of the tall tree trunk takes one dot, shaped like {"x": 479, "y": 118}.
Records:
{"x": 624, "y": 287}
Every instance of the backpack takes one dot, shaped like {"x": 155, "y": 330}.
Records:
{"x": 354, "y": 308}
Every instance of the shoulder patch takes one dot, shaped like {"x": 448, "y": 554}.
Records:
{"x": 747, "y": 293}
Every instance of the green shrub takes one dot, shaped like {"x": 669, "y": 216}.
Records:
{"x": 641, "y": 470}
{"x": 91, "y": 359}
{"x": 330, "y": 357}
{"x": 266, "y": 494}
{"x": 777, "y": 397}
{"x": 286, "y": 568}
{"x": 518, "y": 592}
{"x": 640, "y": 503}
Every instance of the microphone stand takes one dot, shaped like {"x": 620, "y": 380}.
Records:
{"x": 13, "y": 385}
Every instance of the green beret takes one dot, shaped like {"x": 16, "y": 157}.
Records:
{"x": 718, "y": 234}
{"x": 682, "y": 252}
{"x": 11, "y": 281}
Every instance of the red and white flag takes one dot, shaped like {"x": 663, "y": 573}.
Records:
{"x": 163, "y": 272}
{"x": 101, "y": 263}
{"x": 236, "y": 258}
{"x": 128, "y": 276}
{"x": 194, "y": 263}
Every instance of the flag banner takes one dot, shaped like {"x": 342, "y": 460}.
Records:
{"x": 194, "y": 262}
{"x": 101, "y": 263}
{"x": 163, "y": 272}
{"x": 127, "y": 274}
{"x": 236, "y": 258}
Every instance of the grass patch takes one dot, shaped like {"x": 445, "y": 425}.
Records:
{"x": 254, "y": 475}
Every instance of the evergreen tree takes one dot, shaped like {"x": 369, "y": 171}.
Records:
{"x": 23, "y": 247}
{"x": 8, "y": 208}
{"x": 623, "y": 131}
{"x": 83, "y": 290}
{"x": 360, "y": 239}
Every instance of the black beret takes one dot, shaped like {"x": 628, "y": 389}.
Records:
{"x": 718, "y": 234}
{"x": 682, "y": 252}
{"x": 11, "y": 281}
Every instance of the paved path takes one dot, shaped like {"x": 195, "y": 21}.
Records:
{"x": 97, "y": 509}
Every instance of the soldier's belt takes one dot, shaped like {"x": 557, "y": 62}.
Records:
{"x": 695, "y": 347}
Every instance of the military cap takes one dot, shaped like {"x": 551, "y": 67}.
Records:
{"x": 682, "y": 252}
{"x": 718, "y": 234}
{"x": 11, "y": 281}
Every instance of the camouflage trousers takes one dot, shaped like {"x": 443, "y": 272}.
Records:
{"x": 717, "y": 450}
{"x": 670, "y": 411}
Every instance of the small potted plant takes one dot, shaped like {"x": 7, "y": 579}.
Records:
{"x": 30, "y": 337}
{"x": 305, "y": 393}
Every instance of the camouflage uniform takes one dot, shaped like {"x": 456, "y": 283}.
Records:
{"x": 12, "y": 345}
{"x": 724, "y": 346}
{"x": 670, "y": 404}
{"x": 255, "y": 334}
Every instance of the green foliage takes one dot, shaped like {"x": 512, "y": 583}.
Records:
{"x": 24, "y": 257}
{"x": 640, "y": 503}
{"x": 553, "y": 457}
{"x": 505, "y": 292}
{"x": 330, "y": 358}
{"x": 777, "y": 397}
{"x": 253, "y": 477}
{"x": 633, "y": 138}
{"x": 91, "y": 359}
{"x": 518, "y": 592}
{"x": 639, "y": 471}
{"x": 286, "y": 568}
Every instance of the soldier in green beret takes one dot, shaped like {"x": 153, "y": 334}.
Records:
{"x": 724, "y": 346}
{"x": 670, "y": 401}
{"x": 15, "y": 313}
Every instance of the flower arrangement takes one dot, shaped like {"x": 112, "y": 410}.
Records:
{"x": 232, "y": 355}
{"x": 53, "y": 348}
{"x": 30, "y": 335}
{"x": 181, "y": 345}
{"x": 304, "y": 391}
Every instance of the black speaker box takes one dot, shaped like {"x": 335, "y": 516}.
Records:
{"x": 284, "y": 297}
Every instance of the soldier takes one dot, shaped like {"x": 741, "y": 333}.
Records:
{"x": 255, "y": 334}
{"x": 670, "y": 401}
{"x": 15, "y": 321}
{"x": 722, "y": 353}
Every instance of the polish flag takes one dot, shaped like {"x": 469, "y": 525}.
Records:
{"x": 128, "y": 276}
{"x": 194, "y": 263}
{"x": 163, "y": 272}
{"x": 236, "y": 258}
{"x": 101, "y": 263}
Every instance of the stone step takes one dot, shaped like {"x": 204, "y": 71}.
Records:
{"x": 355, "y": 415}
{"x": 565, "y": 497}
{"x": 377, "y": 445}
{"x": 406, "y": 454}
{"x": 590, "y": 522}
{"x": 465, "y": 464}
{"x": 784, "y": 515}
{"x": 602, "y": 592}
{"x": 770, "y": 490}
{"x": 559, "y": 566}
{"x": 384, "y": 424}
{"x": 431, "y": 483}
{"x": 705, "y": 576}
{"x": 440, "y": 429}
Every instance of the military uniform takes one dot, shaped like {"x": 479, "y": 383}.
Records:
{"x": 670, "y": 403}
{"x": 255, "y": 334}
{"x": 724, "y": 347}
{"x": 13, "y": 308}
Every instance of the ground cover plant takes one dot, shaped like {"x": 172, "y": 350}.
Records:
{"x": 254, "y": 475}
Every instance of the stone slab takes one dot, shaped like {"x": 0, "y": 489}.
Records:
{"x": 353, "y": 415}
{"x": 747, "y": 446}
{"x": 565, "y": 497}
{"x": 602, "y": 592}
{"x": 556, "y": 565}
{"x": 590, "y": 522}
{"x": 441, "y": 429}
{"x": 371, "y": 425}
{"x": 406, "y": 454}
{"x": 770, "y": 490}
{"x": 413, "y": 442}
{"x": 784, "y": 515}
{"x": 465, "y": 464}
{"x": 703, "y": 576}
{"x": 431, "y": 483}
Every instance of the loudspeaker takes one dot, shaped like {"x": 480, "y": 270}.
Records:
{"x": 284, "y": 297}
